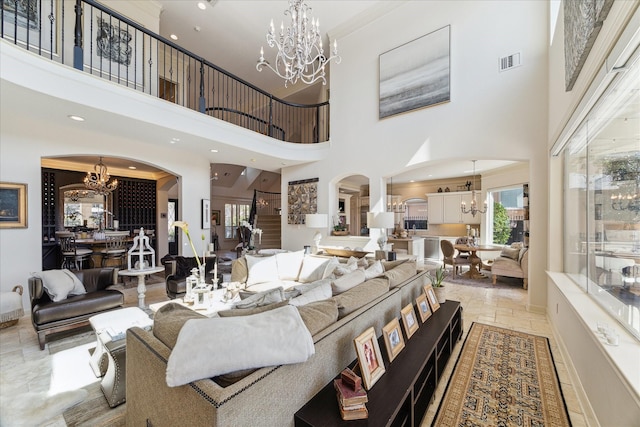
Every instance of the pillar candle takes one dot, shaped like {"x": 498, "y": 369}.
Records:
{"x": 215, "y": 270}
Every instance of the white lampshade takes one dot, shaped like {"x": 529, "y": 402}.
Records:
{"x": 316, "y": 220}
{"x": 380, "y": 220}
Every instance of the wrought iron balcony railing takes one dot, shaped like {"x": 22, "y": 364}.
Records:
{"x": 90, "y": 37}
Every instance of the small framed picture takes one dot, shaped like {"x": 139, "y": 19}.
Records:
{"x": 431, "y": 297}
{"x": 409, "y": 320}
{"x": 215, "y": 217}
{"x": 393, "y": 338}
{"x": 206, "y": 208}
{"x": 423, "y": 307}
{"x": 369, "y": 357}
{"x": 13, "y": 205}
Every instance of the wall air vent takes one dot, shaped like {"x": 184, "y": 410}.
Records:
{"x": 510, "y": 61}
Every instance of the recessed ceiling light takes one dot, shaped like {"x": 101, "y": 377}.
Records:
{"x": 76, "y": 118}
{"x": 196, "y": 29}
{"x": 133, "y": 167}
{"x": 213, "y": 150}
{"x": 201, "y": 5}
{"x": 173, "y": 37}
{"x": 253, "y": 160}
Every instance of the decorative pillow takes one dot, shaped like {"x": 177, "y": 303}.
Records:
{"x": 168, "y": 321}
{"x": 252, "y": 300}
{"x": 517, "y": 245}
{"x": 521, "y": 254}
{"x": 261, "y": 269}
{"x": 318, "y": 315}
{"x": 342, "y": 269}
{"x": 356, "y": 297}
{"x": 253, "y": 310}
{"x": 214, "y": 346}
{"x": 508, "y": 252}
{"x": 374, "y": 270}
{"x": 288, "y": 264}
{"x": 330, "y": 268}
{"x": 320, "y": 291}
{"x": 60, "y": 284}
{"x": 239, "y": 270}
{"x": 389, "y": 265}
{"x": 313, "y": 268}
{"x": 401, "y": 273}
{"x": 348, "y": 281}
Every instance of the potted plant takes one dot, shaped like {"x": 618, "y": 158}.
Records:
{"x": 436, "y": 282}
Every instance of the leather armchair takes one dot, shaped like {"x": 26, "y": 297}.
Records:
{"x": 177, "y": 269}
{"x": 74, "y": 312}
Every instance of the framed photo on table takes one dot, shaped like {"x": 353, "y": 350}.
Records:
{"x": 369, "y": 357}
{"x": 431, "y": 297}
{"x": 13, "y": 205}
{"x": 423, "y": 307}
{"x": 393, "y": 339}
{"x": 409, "y": 320}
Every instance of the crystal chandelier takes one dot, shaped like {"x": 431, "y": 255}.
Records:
{"x": 300, "y": 55}
{"x": 98, "y": 180}
{"x": 473, "y": 210}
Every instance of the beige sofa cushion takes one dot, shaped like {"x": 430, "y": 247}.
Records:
{"x": 360, "y": 295}
{"x": 400, "y": 273}
{"x": 348, "y": 281}
{"x": 512, "y": 253}
{"x": 253, "y": 310}
{"x": 168, "y": 321}
{"x": 239, "y": 270}
{"x": 319, "y": 315}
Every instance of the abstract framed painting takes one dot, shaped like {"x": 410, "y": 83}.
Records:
{"x": 13, "y": 205}
{"x": 416, "y": 74}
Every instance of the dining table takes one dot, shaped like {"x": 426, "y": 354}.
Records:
{"x": 476, "y": 261}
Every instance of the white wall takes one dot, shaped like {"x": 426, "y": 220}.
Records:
{"x": 491, "y": 115}
{"x": 609, "y": 376}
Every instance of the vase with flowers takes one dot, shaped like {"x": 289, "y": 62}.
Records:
{"x": 254, "y": 232}
{"x": 197, "y": 278}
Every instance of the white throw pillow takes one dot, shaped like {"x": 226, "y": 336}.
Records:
{"x": 289, "y": 264}
{"x": 60, "y": 284}
{"x": 374, "y": 270}
{"x": 348, "y": 281}
{"x": 342, "y": 269}
{"x": 261, "y": 269}
{"x": 313, "y": 268}
{"x": 316, "y": 291}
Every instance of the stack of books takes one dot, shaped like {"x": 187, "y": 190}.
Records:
{"x": 351, "y": 399}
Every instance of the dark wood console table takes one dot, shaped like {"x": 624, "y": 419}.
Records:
{"x": 402, "y": 395}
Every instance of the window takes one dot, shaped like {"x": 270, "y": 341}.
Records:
{"x": 602, "y": 204}
{"x": 234, "y": 214}
{"x": 508, "y": 224}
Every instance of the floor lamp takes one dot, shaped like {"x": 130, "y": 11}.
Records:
{"x": 316, "y": 221}
{"x": 382, "y": 220}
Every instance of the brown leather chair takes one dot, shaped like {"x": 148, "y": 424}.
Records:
{"x": 451, "y": 258}
{"x": 74, "y": 312}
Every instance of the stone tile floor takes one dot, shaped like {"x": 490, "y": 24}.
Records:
{"x": 22, "y": 361}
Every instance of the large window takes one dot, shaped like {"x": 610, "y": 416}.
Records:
{"x": 602, "y": 204}
{"x": 234, "y": 214}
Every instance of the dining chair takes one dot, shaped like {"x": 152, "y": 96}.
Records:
{"x": 450, "y": 257}
{"x": 115, "y": 248}
{"x": 73, "y": 257}
{"x": 464, "y": 240}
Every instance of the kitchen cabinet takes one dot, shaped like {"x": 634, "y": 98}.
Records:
{"x": 444, "y": 208}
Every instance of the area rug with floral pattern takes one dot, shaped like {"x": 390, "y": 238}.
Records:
{"x": 503, "y": 378}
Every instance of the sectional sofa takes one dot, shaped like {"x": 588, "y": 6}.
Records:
{"x": 267, "y": 396}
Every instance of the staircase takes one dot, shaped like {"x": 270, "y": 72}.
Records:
{"x": 271, "y": 231}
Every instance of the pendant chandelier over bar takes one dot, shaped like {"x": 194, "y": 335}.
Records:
{"x": 98, "y": 180}
{"x": 392, "y": 206}
{"x": 300, "y": 55}
{"x": 473, "y": 210}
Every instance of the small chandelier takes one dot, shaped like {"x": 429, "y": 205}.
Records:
{"x": 392, "y": 206}
{"x": 630, "y": 202}
{"x": 473, "y": 210}
{"x": 300, "y": 55}
{"x": 98, "y": 180}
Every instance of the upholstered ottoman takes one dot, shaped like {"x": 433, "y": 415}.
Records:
{"x": 11, "y": 307}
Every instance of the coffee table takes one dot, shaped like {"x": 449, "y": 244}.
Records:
{"x": 109, "y": 358}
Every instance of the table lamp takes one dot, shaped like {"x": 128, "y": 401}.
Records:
{"x": 316, "y": 221}
{"x": 382, "y": 220}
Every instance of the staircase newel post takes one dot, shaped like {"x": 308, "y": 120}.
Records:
{"x": 270, "y": 132}
{"x": 77, "y": 41}
{"x": 202, "y": 104}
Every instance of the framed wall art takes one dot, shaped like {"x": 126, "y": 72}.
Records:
{"x": 369, "y": 357}
{"x": 31, "y": 22}
{"x": 393, "y": 339}
{"x": 215, "y": 217}
{"x": 13, "y": 205}
{"x": 416, "y": 74}
{"x": 206, "y": 209}
{"x": 409, "y": 320}
{"x": 302, "y": 197}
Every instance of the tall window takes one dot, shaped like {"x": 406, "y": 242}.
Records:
{"x": 508, "y": 215}
{"x": 234, "y": 214}
{"x": 602, "y": 203}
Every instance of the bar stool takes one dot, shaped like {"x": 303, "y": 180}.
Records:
{"x": 72, "y": 255}
{"x": 115, "y": 247}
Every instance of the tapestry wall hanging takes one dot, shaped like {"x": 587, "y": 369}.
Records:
{"x": 303, "y": 199}
{"x": 416, "y": 74}
{"x": 582, "y": 23}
